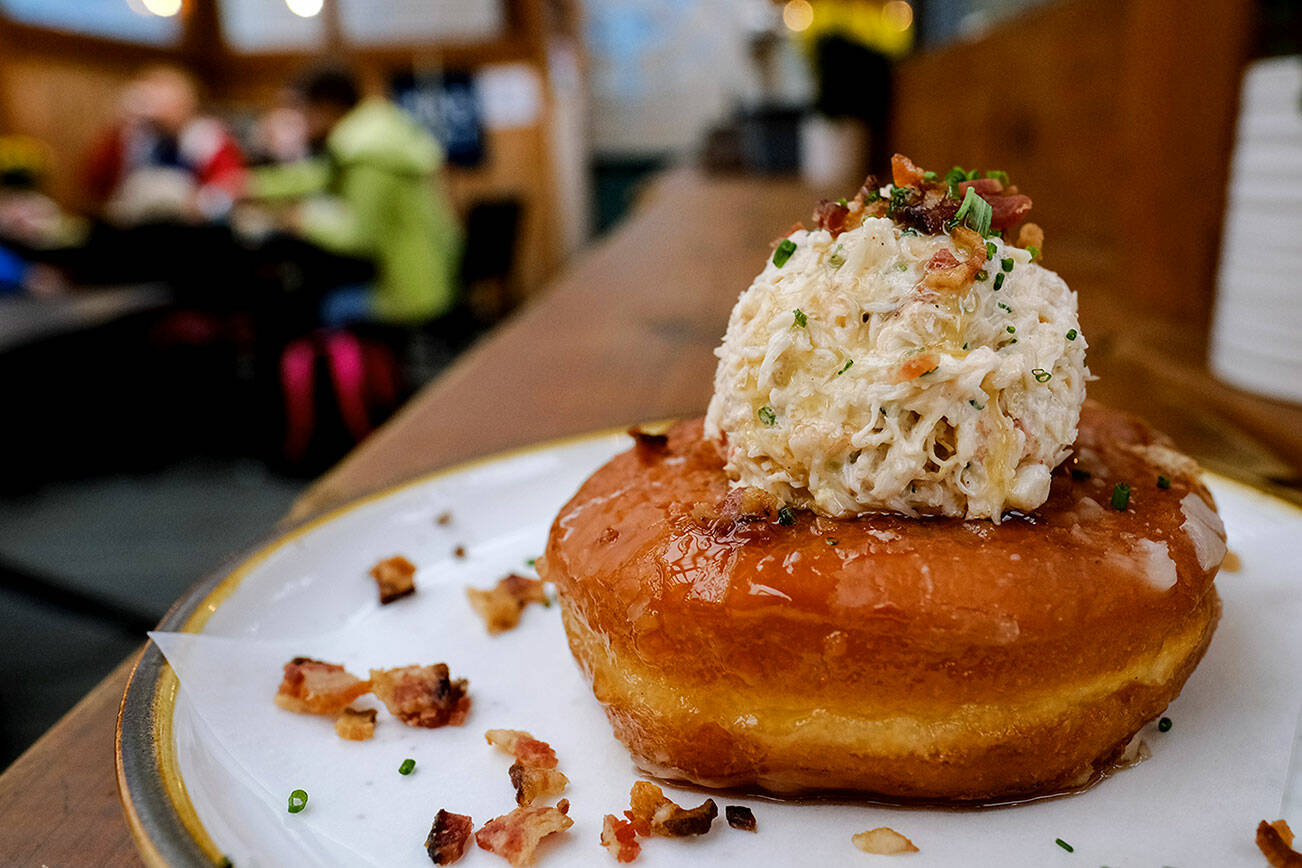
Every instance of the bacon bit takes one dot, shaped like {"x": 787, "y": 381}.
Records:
{"x": 313, "y": 687}
{"x": 1031, "y": 235}
{"x": 355, "y": 724}
{"x": 650, "y": 810}
{"x": 917, "y": 366}
{"x": 942, "y": 259}
{"x": 448, "y": 837}
{"x": 395, "y": 578}
{"x": 423, "y": 696}
{"x": 620, "y": 838}
{"x": 523, "y": 746}
{"x": 532, "y": 784}
{"x": 1275, "y": 840}
{"x": 1007, "y": 206}
{"x": 740, "y": 817}
{"x": 834, "y": 217}
{"x": 904, "y": 173}
{"x": 445, "y": 518}
{"x": 459, "y": 551}
{"x": 945, "y": 272}
{"x": 515, "y": 836}
{"x": 501, "y": 606}
{"x": 883, "y": 841}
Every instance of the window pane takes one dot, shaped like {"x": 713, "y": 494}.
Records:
{"x": 268, "y": 25}
{"x": 127, "y": 20}
{"x": 371, "y": 22}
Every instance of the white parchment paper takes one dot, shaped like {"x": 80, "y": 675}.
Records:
{"x": 1222, "y": 767}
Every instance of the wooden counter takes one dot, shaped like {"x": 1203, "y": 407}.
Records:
{"x": 627, "y": 334}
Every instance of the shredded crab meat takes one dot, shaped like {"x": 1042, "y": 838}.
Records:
{"x": 620, "y": 838}
{"x": 516, "y": 836}
{"x": 355, "y": 724}
{"x": 315, "y": 687}
{"x": 523, "y": 746}
{"x": 501, "y": 606}
{"x": 448, "y": 837}
{"x": 883, "y": 841}
{"x": 395, "y": 578}
{"x": 424, "y": 696}
{"x": 533, "y": 784}
{"x": 1275, "y": 840}
{"x": 655, "y": 815}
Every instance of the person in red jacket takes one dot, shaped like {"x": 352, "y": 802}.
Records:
{"x": 164, "y": 161}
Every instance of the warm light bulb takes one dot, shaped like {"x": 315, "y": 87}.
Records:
{"x": 897, "y": 15}
{"x": 797, "y": 15}
{"x": 305, "y": 8}
{"x": 162, "y": 8}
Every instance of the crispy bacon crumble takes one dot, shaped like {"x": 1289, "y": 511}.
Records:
{"x": 1275, "y": 840}
{"x": 501, "y": 606}
{"x": 620, "y": 838}
{"x": 423, "y": 696}
{"x": 315, "y": 687}
{"x": 395, "y": 577}
{"x": 516, "y": 836}
{"x": 448, "y": 837}
{"x": 523, "y": 746}
{"x": 883, "y": 841}
{"x": 740, "y": 817}
{"x": 355, "y": 724}
{"x": 532, "y": 783}
{"x": 655, "y": 815}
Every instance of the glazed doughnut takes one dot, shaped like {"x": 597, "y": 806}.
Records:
{"x": 734, "y": 645}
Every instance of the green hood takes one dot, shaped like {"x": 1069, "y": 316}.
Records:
{"x": 380, "y": 134}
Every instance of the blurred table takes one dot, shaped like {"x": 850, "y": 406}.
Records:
{"x": 24, "y": 319}
{"x": 627, "y": 333}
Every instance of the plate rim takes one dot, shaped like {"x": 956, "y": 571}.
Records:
{"x": 163, "y": 822}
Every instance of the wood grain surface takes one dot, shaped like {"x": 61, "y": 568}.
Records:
{"x": 627, "y": 333}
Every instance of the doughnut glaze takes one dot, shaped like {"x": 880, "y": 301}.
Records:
{"x": 935, "y": 659}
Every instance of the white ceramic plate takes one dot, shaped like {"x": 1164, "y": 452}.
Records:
{"x": 207, "y": 771}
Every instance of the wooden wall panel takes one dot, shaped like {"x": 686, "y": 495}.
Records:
{"x": 1115, "y": 117}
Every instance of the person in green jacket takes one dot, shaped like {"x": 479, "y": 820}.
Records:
{"x": 383, "y": 201}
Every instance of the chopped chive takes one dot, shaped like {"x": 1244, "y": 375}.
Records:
{"x": 1011, "y": 330}
{"x": 843, "y": 202}
{"x": 408, "y": 765}
{"x": 783, "y": 252}
{"x": 1006, "y": 263}
{"x": 767, "y": 416}
{"x": 1071, "y": 334}
{"x": 297, "y": 801}
{"x": 998, "y": 175}
{"x": 909, "y": 232}
{"x": 1041, "y": 375}
{"x": 830, "y": 541}
{"x": 1164, "y": 725}
{"x": 1064, "y": 845}
{"x": 1163, "y": 482}
{"x": 800, "y": 319}
{"x": 530, "y": 562}
{"x": 929, "y": 176}
{"x": 845, "y": 367}
{"x": 982, "y": 274}
{"x": 786, "y": 517}
{"x": 1120, "y": 496}
{"x": 974, "y": 211}
{"x": 1034, "y": 251}
{"x": 999, "y": 281}
{"x": 901, "y": 266}
{"x": 991, "y": 250}
{"x": 975, "y": 404}
{"x": 965, "y": 345}
{"x": 899, "y": 197}
{"x": 836, "y": 260}
{"x": 1003, "y": 306}
{"x": 1079, "y": 475}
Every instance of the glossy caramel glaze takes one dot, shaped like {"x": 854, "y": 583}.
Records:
{"x": 931, "y": 658}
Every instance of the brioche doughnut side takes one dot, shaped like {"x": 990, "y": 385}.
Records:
{"x": 932, "y": 659}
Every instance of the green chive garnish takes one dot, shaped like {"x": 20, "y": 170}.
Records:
{"x": 1033, "y": 250}
{"x": 982, "y": 274}
{"x": 1120, "y": 496}
{"x": 991, "y": 250}
{"x": 929, "y": 176}
{"x": 1003, "y": 306}
{"x": 530, "y": 562}
{"x": 836, "y": 260}
{"x": 843, "y": 202}
{"x": 975, "y": 404}
{"x": 1164, "y": 725}
{"x": 783, "y": 252}
{"x": 998, "y": 175}
{"x": 1041, "y": 375}
{"x": 1079, "y": 475}
{"x": 1064, "y": 845}
{"x": 1012, "y": 330}
{"x": 407, "y": 766}
{"x": 1006, "y": 263}
{"x": 297, "y": 801}
{"x": 1163, "y": 482}
{"x": 846, "y": 367}
{"x": 801, "y": 319}
{"x": 767, "y": 416}
{"x": 975, "y": 212}
{"x": 830, "y": 541}
{"x": 1071, "y": 334}
{"x": 786, "y": 517}
{"x": 999, "y": 281}
{"x": 910, "y": 233}
{"x": 901, "y": 266}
